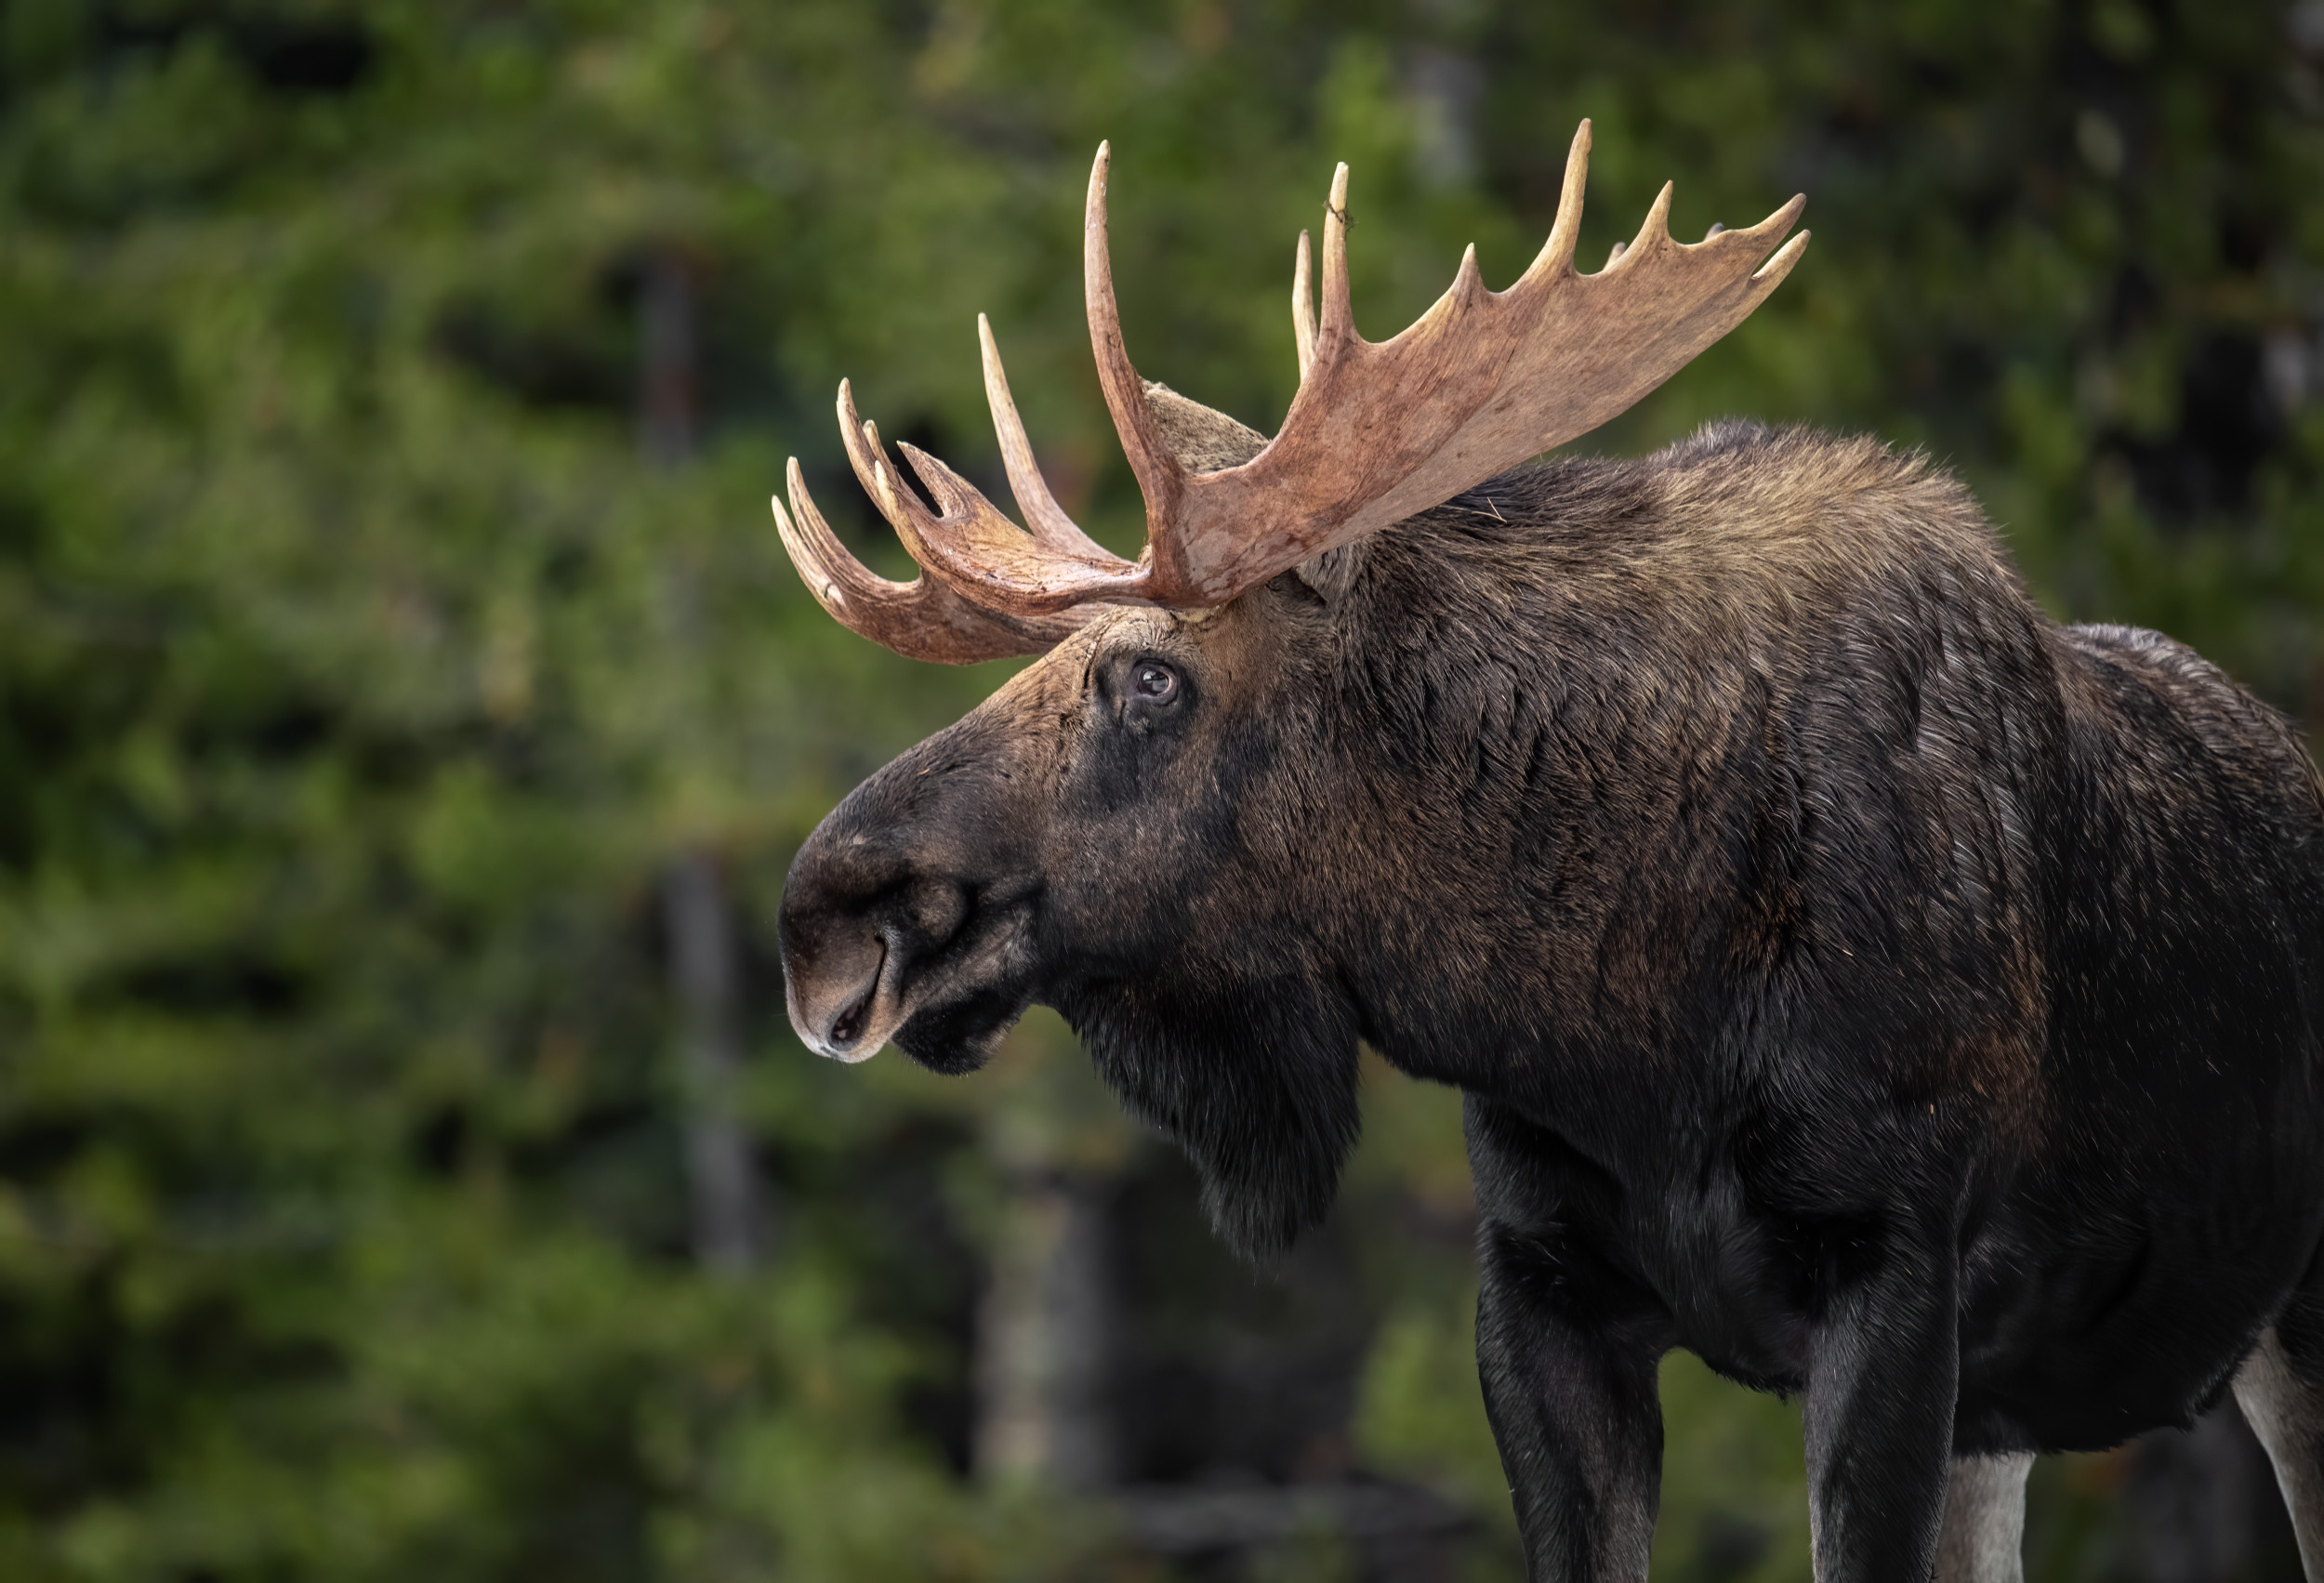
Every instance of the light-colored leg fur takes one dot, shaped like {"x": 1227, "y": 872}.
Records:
{"x": 2287, "y": 1412}
{"x": 1984, "y": 1536}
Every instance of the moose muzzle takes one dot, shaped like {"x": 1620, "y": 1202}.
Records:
{"x": 911, "y": 896}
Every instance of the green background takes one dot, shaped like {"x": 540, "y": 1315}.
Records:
{"x": 359, "y": 676}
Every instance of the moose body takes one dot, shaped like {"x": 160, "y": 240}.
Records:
{"x": 1854, "y": 978}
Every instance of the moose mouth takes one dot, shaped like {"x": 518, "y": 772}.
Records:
{"x": 945, "y": 1009}
{"x": 966, "y": 995}
{"x": 942, "y": 986}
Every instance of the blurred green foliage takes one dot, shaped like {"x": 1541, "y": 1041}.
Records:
{"x": 357, "y": 675}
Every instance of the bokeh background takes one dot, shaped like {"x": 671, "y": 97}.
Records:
{"x": 407, "y": 717}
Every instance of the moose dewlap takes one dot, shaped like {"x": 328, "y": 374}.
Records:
{"x": 1855, "y": 978}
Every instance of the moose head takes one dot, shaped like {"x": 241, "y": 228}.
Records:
{"x": 1230, "y": 824}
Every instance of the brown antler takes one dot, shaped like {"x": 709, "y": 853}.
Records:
{"x": 921, "y": 619}
{"x": 1378, "y": 431}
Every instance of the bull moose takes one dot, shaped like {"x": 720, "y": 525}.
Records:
{"x": 1853, "y": 977}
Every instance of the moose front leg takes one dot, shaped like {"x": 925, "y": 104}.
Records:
{"x": 1882, "y": 1384}
{"x": 1983, "y": 1540}
{"x": 1567, "y": 1353}
{"x": 2280, "y": 1389}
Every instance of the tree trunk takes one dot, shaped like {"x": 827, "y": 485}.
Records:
{"x": 1043, "y": 1342}
{"x": 728, "y": 1216}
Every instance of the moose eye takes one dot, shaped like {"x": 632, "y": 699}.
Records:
{"x": 1153, "y": 681}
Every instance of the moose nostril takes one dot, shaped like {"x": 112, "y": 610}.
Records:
{"x": 855, "y": 1017}
{"x": 849, "y": 1025}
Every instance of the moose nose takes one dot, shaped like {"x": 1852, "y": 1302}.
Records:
{"x": 833, "y": 994}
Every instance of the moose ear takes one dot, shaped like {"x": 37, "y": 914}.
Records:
{"x": 1330, "y": 572}
{"x": 1204, "y": 440}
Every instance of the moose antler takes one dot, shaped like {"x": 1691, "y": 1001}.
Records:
{"x": 1378, "y": 431}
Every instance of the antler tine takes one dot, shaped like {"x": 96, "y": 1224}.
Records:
{"x": 1042, "y": 514}
{"x": 1557, "y": 253}
{"x": 1770, "y": 274}
{"x": 1160, "y": 475}
{"x": 922, "y": 619}
{"x": 1654, "y": 231}
{"x": 861, "y": 442}
{"x": 922, "y": 531}
{"x": 1303, "y": 309}
{"x": 1339, "y": 313}
{"x": 837, "y": 579}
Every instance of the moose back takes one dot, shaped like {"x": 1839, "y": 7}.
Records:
{"x": 1855, "y": 978}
